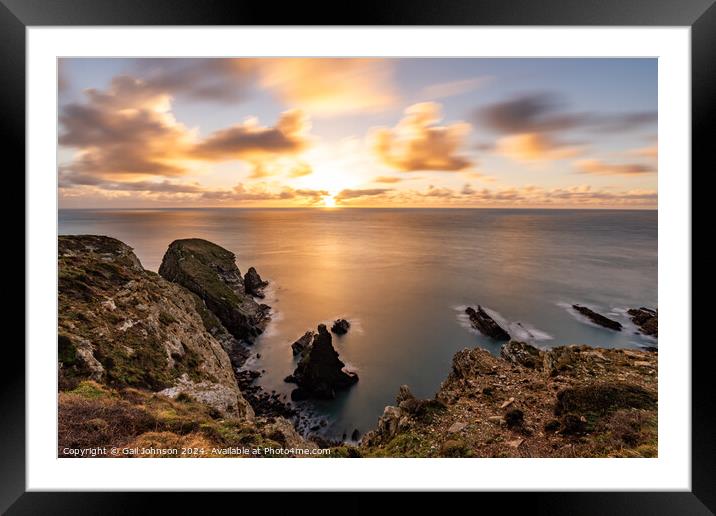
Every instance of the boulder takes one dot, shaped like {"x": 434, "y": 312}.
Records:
{"x": 646, "y": 319}
{"x": 253, "y": 284}
{"x": 598, "y": 318}
{"x": 210, "y": 272}
{"x": 485, "y": 324}
{"x": 340, "y": 326}
{"x": 522, "y": 354}
{"x": 302, "y": 344}
{"x": 320, "y": 372}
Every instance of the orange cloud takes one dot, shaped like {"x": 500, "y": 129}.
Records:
{"x": 387, "y": 179}
{"x": 419, "y": 143}
{"x": 528, "y": 147}
{"x": 329, "y": 86}
{"x": 129, "y": 133}
{"x": 595, "y": 166}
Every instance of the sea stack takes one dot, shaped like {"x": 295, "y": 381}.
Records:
{"x": 485, "y": 324}
{"x": 598, "y": 318}
{"x": 646, "y": 319}
{"x": 253, "y": 284}
{"x": 320, "y": 372}
{"x": 210, "y": 272}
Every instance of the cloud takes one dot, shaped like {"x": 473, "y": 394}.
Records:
{"x": 452, "y": 88}
{"x": 528, "y": 147}
{"x": 598, "y": 167}
{"x": 418, "y": 143}
{"x": 129, "y": 132}
{"x": 541, "y": 112}
{"x": 387, "y": 179}
{"x": 260, "y": 193}
{"x": 348, "y": 193}
{"x": 300, "y": 169}
{"x": 651, "y": 151}
{"x": 207, "y": 79}
{"x": 248, "y": 140}
{"x": 330, "y": 86}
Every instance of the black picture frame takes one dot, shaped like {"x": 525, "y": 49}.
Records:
{"x": 17, "y": 15}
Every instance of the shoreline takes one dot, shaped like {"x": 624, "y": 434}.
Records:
{"x": 269, "y": 409}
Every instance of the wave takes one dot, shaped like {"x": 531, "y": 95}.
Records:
{"x": 518, "y": 330}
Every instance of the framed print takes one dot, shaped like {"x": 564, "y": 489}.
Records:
{"x": 423, "y": 251}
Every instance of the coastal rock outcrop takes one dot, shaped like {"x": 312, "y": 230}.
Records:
{"x": 123, "y": 326}
{"x": 340, "y": 326}
{"x": 569, "y": 401}
{"x": 485, "y": 324}
{"x": 210, "y": 272}
{"x": 598, "y": 318}
{"x": 253, "y": 284}
{"x": 646, "y": 319}
{"x": 303, "y": 343}
{"x": 320, "y": 372}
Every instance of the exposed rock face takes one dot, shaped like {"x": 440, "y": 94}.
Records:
{"x": 522, "y": 354}
{"x": 211, "y": 273}
{"x": 253, "y": 283}
{"x": 485, "y": 324}
{"x": 303, "y": 343}
{"x": 320, "y": 372}
{"x": 340, "y": 326}
{"x": 647, "y": 319}
{"x": 124, "y": 326}
{"x": 598, "y": 318}
{"x": 397, "y": 419}
{"x": 570, "y": 401}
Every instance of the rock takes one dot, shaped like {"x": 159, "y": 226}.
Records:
{"x": 496, "y": 419}
{"x": 601, "y": 398}
{"x": 598, "y": 318}
{"x": 485, "y": 324}
{"x": 404, "y": 394}
{"x": 647, "y": 320}
{"x": 572, "y": 425}
{"x": 514, "y": 417}
{"x": 516, "y": 443}
{"x": 320, "y": 372}
{"x": 355, "y": 435}
{"x": 253, "y": 284}
{"x": 456, "y": 427}
{"x": 522, "y": 354}
{"x": 340, "y": 326}
{"x": 155, "y": 338}
{"x": 507, "y": 403}
{"x": 302, "y": 344}
{"x": 210, "y": 272}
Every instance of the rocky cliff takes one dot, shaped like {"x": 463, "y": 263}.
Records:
{"x": 571, "y": 401}
{"x": 210, "y": 272}
{"x": 138, "y": 352}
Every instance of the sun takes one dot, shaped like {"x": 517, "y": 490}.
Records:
{"x": 329, "y": 201}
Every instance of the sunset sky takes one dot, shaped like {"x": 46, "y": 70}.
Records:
{"x": 287, "y": 132}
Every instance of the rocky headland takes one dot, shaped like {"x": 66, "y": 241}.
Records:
{"x": 147, "y": 358}
{"x": 158, "y": 360}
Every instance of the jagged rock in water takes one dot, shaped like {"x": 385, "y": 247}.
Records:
{"x": 522, "y": 353}
{"x": 485, "y": 324}
{"x": 253, "y": 284}
{"x": 647, "y": 319}
{"x": 320, "y": 372}
{"x": 123, "y": 326}
{"x": 210, "y": 272}
{"x": 598, "y": 318}
{"x": 302, "y": 344}
{"x": 340, "y": 326}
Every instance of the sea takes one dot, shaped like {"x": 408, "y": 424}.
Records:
{"x": 403, "y": 278}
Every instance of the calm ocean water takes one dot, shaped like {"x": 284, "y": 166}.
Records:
{"x": 403, "y": 277}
